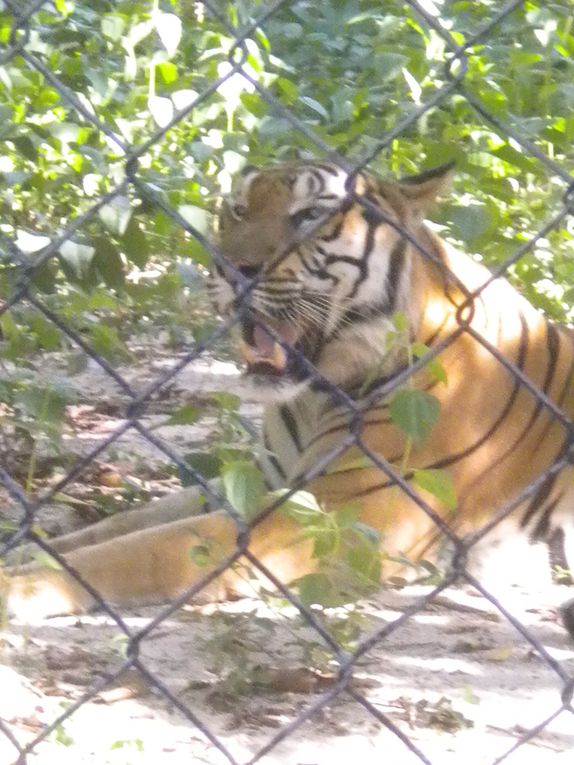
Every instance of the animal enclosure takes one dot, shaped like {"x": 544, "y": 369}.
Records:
{"x": 123, "y": 123}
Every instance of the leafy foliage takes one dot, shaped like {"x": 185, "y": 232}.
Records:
{"x": 351, "y": 71}
{"x": 347, "y": 552}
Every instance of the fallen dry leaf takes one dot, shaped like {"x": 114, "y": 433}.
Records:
{"x": 300, "y": 680}
{"x": 499, "y": 654}
{"x": 129, "y": 685}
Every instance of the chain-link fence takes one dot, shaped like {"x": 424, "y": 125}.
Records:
{"x": 22, "y": 43}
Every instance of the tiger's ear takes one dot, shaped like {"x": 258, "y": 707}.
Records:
{"x": 248, "y": 170}
{"x": 423, "y": 189}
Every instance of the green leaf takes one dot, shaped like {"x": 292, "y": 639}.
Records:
{"x": 301, "y": 506}
{"x": 254, "y": 104}
{"x": 288, "y": 88}
{"x": 116, "y": 215}
{"x": 415, "y": 412}
{"x": 45, "y": 277}
{"x": 29, "y": 242}
{"x": 168, "y": 27}
{"x": 106, "y": 340}
{"x": 62, "y": 7}
{"x": 161, "y": 109}
{"x": 227, "y": 401}
{"x": 347, "y": 515}
{"x": 371, "y": 535}
{"x": 139, "y": 32}
{"x": 78, "y": 257}
{"x": 44, "y": 559}
{"x": 108, "y": 262}
{"x": 244, "y": 487}
{"x": 514, "y": 157}
{"x": 315, "y": 106}
{"x": 196, "y": 252}
{"x": 135, "y": 244}
{"x": 48, "y": 334}
{"x": 46, "y": 98}
{"x": 113, "y": 26}
{"x": 195, "y": 216}
{"x": 434, "y": 366}
{"x": 472, "y": 222}
{"x": 325, "y": 541}
{"x": 276, "y": 129}
{"x": 185, "y": 415}
{"x": 400, "y": 321}
{"x": 45, "y": 405}
{"x": 317, "y": 589}
{"x": 200, "y": 555}
{"x": 168, "y": 72}
{"x": 26, "y": 147}
{"x": 5, "y": 28}
{"x": 292, "y": 30}
{"x": 364, "y": 560}
{"x": 390, "y": 64}
{"x": 207, "y": 465}
{"x": 438, "y": 483}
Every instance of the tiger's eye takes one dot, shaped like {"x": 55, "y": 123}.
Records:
{"x": 238, "y": 211}
{"x": 306, "y": 215}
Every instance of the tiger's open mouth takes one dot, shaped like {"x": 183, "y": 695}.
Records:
{"x": 261, "y": 349}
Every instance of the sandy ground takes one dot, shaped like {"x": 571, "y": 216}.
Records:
{"x": 456, "y": 680}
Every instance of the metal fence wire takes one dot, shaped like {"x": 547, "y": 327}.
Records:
{"x": 24, "y": 293}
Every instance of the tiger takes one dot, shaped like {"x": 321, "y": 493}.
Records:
{"x": 313, "y": 264}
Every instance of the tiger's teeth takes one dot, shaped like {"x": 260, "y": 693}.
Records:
{"x": 248, "y": 352}
{"x": 277, "y": 358}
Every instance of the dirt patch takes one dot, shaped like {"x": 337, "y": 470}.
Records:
{"x": 456, "y": 682}
{"x": 456, "y": 679}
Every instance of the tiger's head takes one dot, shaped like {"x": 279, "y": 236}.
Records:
{"x": 313, "y": 275}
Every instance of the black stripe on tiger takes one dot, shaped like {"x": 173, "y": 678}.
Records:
{"x": 542, "y": 529}
{"x": 561, "y": 398}
{"x": 538, "y": 499}
{"x": 273, "y": 461}
{"x": 394, "y": 274}
{"x": 291, "y": 426}
{"x": 317, "y": 268}
{"x": 553, "y": 348}
{"x": 328, "y": 168}
{"x": 359, "y": 264}
{"x": 543, "y": 492}
{"x": 335, "y": 233}
{"x": 519, "y": 364}
{"x": 453, "y": 458}
{"x": 387, "y": 303}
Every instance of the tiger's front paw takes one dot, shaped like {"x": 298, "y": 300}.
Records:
{"x": 40, "y": 593}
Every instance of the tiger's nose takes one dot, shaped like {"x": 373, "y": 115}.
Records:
{"x": 237, "y": 274}
{"x": 248, "y": 270}
{"x": 235, "y": 271}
